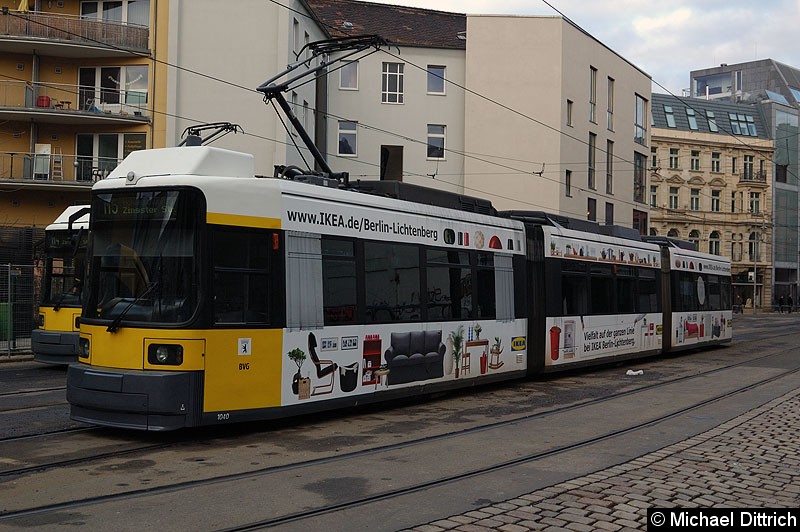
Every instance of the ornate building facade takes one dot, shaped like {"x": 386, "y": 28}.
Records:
{"x": 711, "y": 169}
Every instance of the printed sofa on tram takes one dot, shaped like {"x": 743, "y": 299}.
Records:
{"x": 415, "y": 356}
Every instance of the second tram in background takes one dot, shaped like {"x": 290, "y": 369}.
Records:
{"x": 55, "y": 340}
{"x": 217, "y": 296}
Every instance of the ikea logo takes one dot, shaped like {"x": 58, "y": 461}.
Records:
{"x": 518, "y": 343}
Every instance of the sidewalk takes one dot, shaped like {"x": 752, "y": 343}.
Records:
{"x": 752, "y": 461}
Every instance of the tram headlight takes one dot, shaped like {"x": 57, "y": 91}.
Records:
{"x": 165, "y": 354}
{"x": 40, "y": 321}
{"x": 83, "y": 348}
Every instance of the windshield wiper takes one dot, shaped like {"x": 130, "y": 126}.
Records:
{"x": 114, "y": 325}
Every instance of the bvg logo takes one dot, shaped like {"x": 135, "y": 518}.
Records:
{"x": 518, "y": 343}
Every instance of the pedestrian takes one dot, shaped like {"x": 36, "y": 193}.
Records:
{"x": 780, "y": 304}
{"x": 791, "y": 302}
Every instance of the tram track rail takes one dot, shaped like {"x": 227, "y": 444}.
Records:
{"x": 377, "y": 497}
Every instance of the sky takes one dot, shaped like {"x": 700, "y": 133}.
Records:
{"x": 668, "y": 39}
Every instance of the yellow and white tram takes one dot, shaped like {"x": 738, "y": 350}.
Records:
{"x": 55, "y": 339}
{"x": 217, "y": 296}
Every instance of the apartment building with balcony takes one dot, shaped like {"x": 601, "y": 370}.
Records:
{"x": 84, "y": 83}
{"x": 711, "y": 167}
{"x": 75, "y": 98}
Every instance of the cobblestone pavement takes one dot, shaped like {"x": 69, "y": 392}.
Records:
{"x": 752, "y": 461}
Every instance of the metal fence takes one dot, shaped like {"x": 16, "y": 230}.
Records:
{"x": 18, "y": 307}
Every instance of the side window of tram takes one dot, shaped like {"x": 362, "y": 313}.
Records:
{"x": 575, "y": 295}
{"x": 241, "y": 276}
{"x": 648, "y": 291}
{"x": 339, "y": 281}
{"x": 392, "y": 282}
{"x": 602, "y": 290}
{"x": 449, "y": 287}
{"x": 626, "y": 290}
{"x": 687, "y": 292}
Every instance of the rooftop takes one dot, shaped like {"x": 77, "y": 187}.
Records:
{"x": 401, "y": 26}
{"x": 746, "y": 115}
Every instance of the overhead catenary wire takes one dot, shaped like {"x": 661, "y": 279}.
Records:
{"x": 463, "y": 153}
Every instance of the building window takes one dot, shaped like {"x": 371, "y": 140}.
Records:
{"x": 640, "y": 124}
{"x": 713, "y": 243}
{"x": 133, "y": 12}
{"x": 694, "y": 199}
{"x": 609, "y": 167}
{"x": 733, "y": 165}
{"x": 712, "y": 122}
{"x": 742, "y": 124}
{"x": 673, "y": 197}
{"x": 568, "y": 183}
{"x": 591, "y": 209}
{"x": 755, "y": 202}
{"x": 694, "y": 238}
{"x": 748, "y": 167}
{"x": 609, "y": 213}
{"x": 610, "y": 110}
{"x": 673, "y": 233}
{"x": 673, "y": 158}
{"x": 113, "y": 88}
{"x": 753, "y": 247}
{"x": 348, "y": 76}
{"x": 670, "y": 116}
{"x": 99, "y": 154}
{"x": 569, "y": 113}
{"x": 715, "y": 200}
{"x": 781, "y": 173}
{"x": 733, "y": 201}
{"x": 640, "y": 221}
{"x": 695, "y": 160}
{"x": 593, "y": 95}
{"x": 392, "y": 83}
{"x": 295, "y": 35}
{"x": 436, "y": 79}
{"x": 639, "y": 160}
{"x": 654, "y": 196}
{"x": 436, "y": 138}
{"x": 736, "y": 251}
{"x": 715, "y": 158}
{"x": 592, "y": 160}
{"x": 692, "y": 119}
{"x": 653, "y": 157}
{"x": 348, "y": 137}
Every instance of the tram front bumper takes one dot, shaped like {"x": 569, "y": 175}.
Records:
{"x": 54, "y": 347}
{"x": 134, "y": 399}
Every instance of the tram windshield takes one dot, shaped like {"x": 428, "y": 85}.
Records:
{"x": 142, "y": 266}
{"x": 64, "y": 268}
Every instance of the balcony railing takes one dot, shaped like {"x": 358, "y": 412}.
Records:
{"x": 74, "y": 29}
{"x": 54, "y": 167}
{"x": 60, "y": 97}
{"x": 753, "y": 177}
